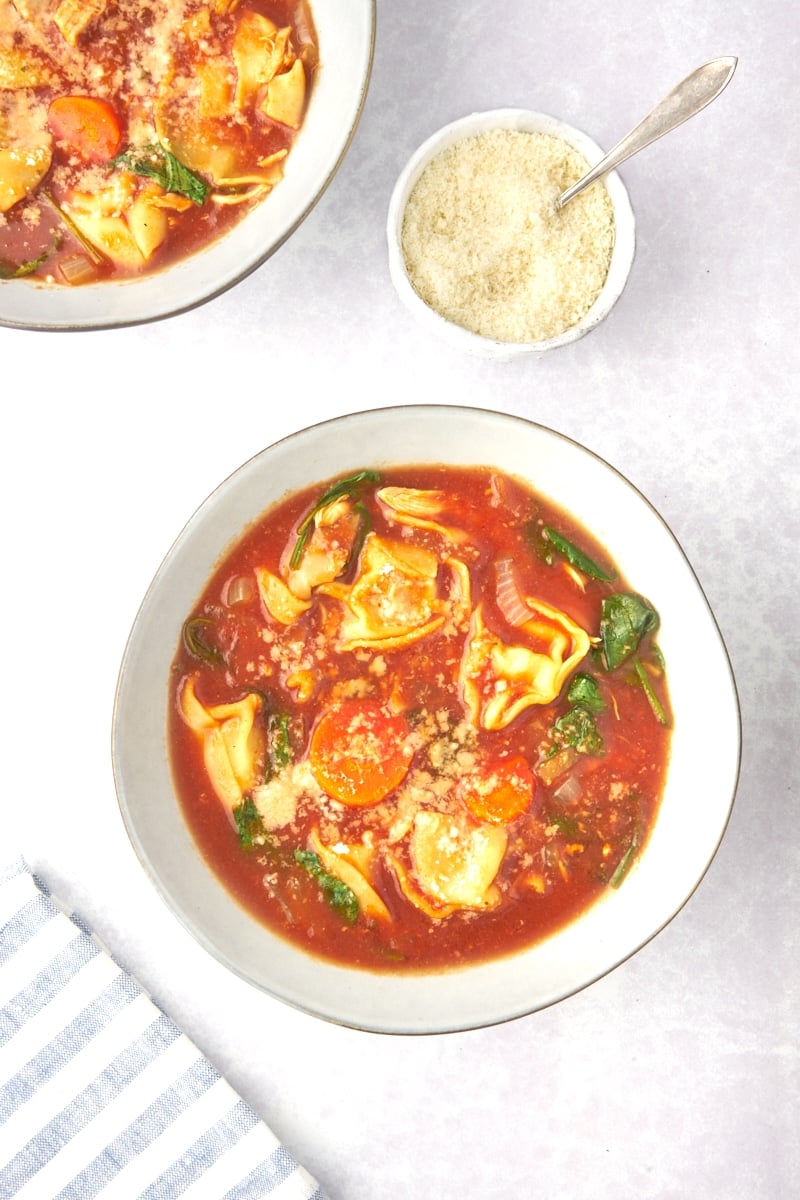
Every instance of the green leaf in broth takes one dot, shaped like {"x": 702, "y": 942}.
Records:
{"x": 577, "y": 728}
{"x": 659, "y": 711}
{"x": 576, "y": 557}
{"x": 156, "y": 162}
{"x": 344, "y": 487}
{"x": 198, "y": 645}
{"x": 585, "y": 690}
{"x": 338, "y": 894}
{"x": 625, "y": 619}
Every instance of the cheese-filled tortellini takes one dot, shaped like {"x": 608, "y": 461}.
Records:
{"x": 232, "y": 742}
{"x": 500, "y": 678}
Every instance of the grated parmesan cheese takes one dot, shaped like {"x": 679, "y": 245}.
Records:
{"x": 485, "y": 246}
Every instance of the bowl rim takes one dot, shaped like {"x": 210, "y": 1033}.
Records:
{"x": 95, "y": 304}
{"x": 347, "y": 1006}
{"x": 525, "y": 120}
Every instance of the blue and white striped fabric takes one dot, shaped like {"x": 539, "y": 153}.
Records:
{"x": 101, "y": 1095}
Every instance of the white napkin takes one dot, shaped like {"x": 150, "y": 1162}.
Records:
{"x": 101, "y": 1095}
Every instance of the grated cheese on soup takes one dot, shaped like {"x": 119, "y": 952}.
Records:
{"x": 486, "y": 248}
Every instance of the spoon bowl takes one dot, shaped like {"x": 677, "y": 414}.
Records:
{"x": 684, "y": 101}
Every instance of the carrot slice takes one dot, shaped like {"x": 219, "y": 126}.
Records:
{"x": 89, "y": 126}
{"x": 360, "y": 752}
{"x": 502, "y": 790}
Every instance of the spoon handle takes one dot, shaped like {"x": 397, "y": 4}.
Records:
{"x": 695, "y": 92}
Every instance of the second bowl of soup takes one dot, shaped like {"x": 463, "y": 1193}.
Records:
{"x": 154, "y": 158}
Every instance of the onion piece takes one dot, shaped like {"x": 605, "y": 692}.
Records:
{"x": 568, "y": 791}
{"x": 239, "y": 590}
{"x": 509, "y": 601}
{"x": 77, "y": 268}
{"x": 304, "y": 32}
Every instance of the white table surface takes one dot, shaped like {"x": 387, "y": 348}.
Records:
{"x": 676, "y": 1075}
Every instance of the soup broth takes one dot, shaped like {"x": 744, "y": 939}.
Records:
{"x": 418, "y": 719}
{"x": 133, "y": 134}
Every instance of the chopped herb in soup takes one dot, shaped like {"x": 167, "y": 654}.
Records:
{"x": 419, "y": 718}
{"x": 133, "y": 134}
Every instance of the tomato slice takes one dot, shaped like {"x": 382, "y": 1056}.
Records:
{"x": 499, "y": 790}
{"x": 360, "y": 752}
{"x": 89, "y": 126}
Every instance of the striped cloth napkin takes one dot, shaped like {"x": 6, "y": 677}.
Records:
{"x": 101, "y": 1095}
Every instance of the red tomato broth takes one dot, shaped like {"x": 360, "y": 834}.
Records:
{"x": 560, "y": 855}
{"x": 107, "y": 64}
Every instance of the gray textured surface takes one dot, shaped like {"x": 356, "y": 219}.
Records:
{"x": 677, "y": 1075}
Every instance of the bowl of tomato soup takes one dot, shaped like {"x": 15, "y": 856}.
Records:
{"x": 414, "y": 745}
{"x": 147, "y": 165}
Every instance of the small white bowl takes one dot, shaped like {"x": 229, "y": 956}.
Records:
{"x": 701, "y": 778}
{"x": 527, "y": 122}
{"x": 346, "y": 36}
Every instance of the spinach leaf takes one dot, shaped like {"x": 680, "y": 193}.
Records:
{"x": 576, "y": 557}
{"x": 625, "y": 619}
{"x": 156, "y": 162}
{"x": 345, "y": 487}
{"x": 279, "y": 747}
{"x": 564, "y": 823}
{"x": 578, "y": 728}
{"x": 196, "y": 643}
{"x": 338, "y": 894}
{"x": 649, "y": 691}
{"x": 363, "y": 528}
{"x": 584, "y": 690}
{"x": 625, "y": 863}
{"x": 248, "y": 824}
{"x": 10, "y": 271}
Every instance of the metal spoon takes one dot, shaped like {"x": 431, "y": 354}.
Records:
{"x": 695, "y": 92}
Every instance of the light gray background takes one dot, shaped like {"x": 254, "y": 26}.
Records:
{"x": 677, "y": 1075}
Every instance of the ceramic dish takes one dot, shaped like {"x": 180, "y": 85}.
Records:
{"x": 529, "y": 122}
{"x": 701, "y": 778}
{"x": 346, "y": 40}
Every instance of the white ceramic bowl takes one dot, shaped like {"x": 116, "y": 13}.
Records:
{"x": 701, "y": 779}
{"x": 529, "y": 122}
{"x": 346, "y": 41}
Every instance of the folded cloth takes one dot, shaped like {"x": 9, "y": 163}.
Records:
{"x": 101, "y": 1095}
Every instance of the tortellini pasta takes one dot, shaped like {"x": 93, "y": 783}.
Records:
{"x": 232, "y": 742}
{"x": 456, "y": 861}
{"x": 500, "y": 680}
{"x": 21, "y": 171}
